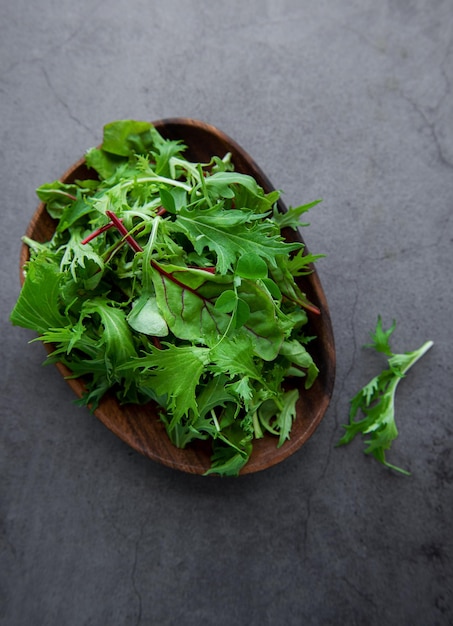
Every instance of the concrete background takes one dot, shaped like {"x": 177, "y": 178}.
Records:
{"x": 348, "y": 101}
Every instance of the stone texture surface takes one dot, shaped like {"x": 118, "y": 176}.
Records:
{"x": 348, "y": 101}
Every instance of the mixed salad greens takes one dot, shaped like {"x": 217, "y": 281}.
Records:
{"x": 170, "y": 281}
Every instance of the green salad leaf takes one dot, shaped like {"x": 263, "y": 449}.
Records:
{"x": 39, "y": 304}
{"x": 376, "y": 400}
{"x": 171, "y": 281}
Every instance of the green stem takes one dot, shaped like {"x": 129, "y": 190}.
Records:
{"x": 418, "y": 354}
{"x": 154, "y": 179}
{"x": 147, "y": 274}
{"x": 215, "y": 420}
{"x": 256, "y": 426}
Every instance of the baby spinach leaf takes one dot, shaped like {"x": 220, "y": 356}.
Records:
{"x": 241, "y": 314}
{"x": 146, "y": 318}
{"x": 252, "y": 266}
{"x": 227, "y": 301}
{"x": 186, "y": 300}
{"x": 125, "y": 136}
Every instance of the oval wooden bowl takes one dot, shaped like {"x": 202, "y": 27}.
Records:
{"x": 139, "y": 426}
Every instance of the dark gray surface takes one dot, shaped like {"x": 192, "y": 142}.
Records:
{"x": 348, "y": 101}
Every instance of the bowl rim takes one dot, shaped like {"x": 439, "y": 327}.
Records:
{"x": 193, "y": 461}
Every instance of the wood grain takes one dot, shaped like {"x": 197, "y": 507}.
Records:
{"x": 139, "y": 426}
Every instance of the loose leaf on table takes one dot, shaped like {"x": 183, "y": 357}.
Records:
{"x": 376, "y": 400}
{"x": 381, "y": 338}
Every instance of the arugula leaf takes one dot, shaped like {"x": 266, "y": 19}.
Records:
{"x": 125, "y": 140}
{"x": 220, "y": 184}
{"x": 376, "y": 400}
{"x": 165, "y": 152}
{"x": 104, "y": 164}
{"x": 72, "y": 213}
{"x": 291, "y": 218}
{"x": 301, "y": 264}
{"x": 276, "y": 414}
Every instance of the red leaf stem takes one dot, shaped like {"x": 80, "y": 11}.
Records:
{"x": 97, "y": 232}
{"x": 210, "y": 270}
{"x": 118, "y": 224}
{"x": 123, "y": 231}
{"x": 174, "y": 280}
{"x": 306, "y": 305}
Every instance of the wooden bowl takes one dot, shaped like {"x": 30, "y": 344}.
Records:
{"x": 139, "y": 426}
